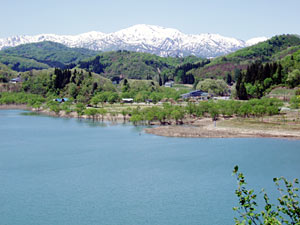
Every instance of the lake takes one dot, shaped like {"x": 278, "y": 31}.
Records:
{"x": 58, "y": 171}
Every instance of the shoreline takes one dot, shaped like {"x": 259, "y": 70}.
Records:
{"x": 197, "y": 132}
{"x": 201, "y": 128}
{"x": 63, "y": 114}
{"x": 207, "y": 130}
{"x": 15, "y": 106}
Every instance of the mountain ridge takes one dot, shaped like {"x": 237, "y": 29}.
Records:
{"x": 43, "y": 55}
{"x": 143, "y": 38}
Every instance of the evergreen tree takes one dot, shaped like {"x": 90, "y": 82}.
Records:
{"x": 237, "y": 74}
{"x": 279, "y": 74}
{"x": 126, "y": 86}
{"x": 160, "y": 81}
{"x": 95, "y": 86}
{"x": 266, "y": 71}
{"x": 243, "y": 92}
{"x": 228, "y": 79}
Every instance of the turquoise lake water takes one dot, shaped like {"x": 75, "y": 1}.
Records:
{"x": 56, "y": 171}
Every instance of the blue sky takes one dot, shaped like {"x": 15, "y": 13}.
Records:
{"x": 243, "y": 19}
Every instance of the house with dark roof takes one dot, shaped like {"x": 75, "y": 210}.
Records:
{"x": 127, "y": 100}
{"x": 195, "y": 94}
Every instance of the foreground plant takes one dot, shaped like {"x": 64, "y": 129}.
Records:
{"x": 286, "y": 212}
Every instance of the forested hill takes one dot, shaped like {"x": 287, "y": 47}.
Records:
{"x": 43, "y": 55}
{"x": 260, "y": 78}
{"x": 135, "y": 65}
{"x": 268, "y": 51}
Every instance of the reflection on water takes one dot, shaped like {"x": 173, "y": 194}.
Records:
{"x": 30, "y": 114}
{"x": 91, "y": 123}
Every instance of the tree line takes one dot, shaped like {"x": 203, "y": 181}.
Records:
{"x": 257, "y": 79}
{"x": 164, "y": 114}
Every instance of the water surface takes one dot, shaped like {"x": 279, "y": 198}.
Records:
{"x": 56, "y": 171}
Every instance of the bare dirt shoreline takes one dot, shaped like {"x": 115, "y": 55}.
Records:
{"x": 201, "y": 128}
{"x": 204, "y": 132}
{"x": 204, "y": 128}
{"x": 15, "y": 106}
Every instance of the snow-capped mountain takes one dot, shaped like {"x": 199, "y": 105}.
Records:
{"x": 143, "y": 38}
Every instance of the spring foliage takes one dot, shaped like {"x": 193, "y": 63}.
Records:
{"x": 287, "y": 211}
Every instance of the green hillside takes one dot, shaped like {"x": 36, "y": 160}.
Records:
{"x": 66, "y": 82}
{"x": 22, "y": 64}
{"x": 271, "y": 50}
{"x": 135, "y": 65}
{"x": 43, "y": 55}
{"x": 265, "y": 50}
{"x": 260, "y": 78}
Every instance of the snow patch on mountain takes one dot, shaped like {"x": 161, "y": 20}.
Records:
{"x": 143, "y": 38}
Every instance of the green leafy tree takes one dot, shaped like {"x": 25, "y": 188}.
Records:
{"x": 103, "y": 97}
{"x": 150, "y": 115}
{"x": 214, "y": 112}
{"x": 66, "y": 106}
{"x": 95, "y": 100}
{"x": 286, "y": 212}
{"x": 102, "y": 112}
{"x": 244, "y": 110}
{"x": 124, "y": 113}
{"x": 293, "y": 78}
{"x": 54, "y": 107}
{"x": 215, "y": 87}
{"x": 79, "y": 108}
{"x": 113, "y": 98}
{"x": 136, "y": 118}
{"x": 91, "y": 112}
{"x": 259, "y": 110}
{"x": 177, "y": 114}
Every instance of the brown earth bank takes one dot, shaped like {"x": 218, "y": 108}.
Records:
{"x": 205, "y": 128}
{"x": 15, "y": 106}
{"x": 203, "y": 132}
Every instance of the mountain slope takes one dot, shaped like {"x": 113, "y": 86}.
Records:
{"x": 143, "y": 38}
{"x": 42, "y": 55}
{"x": 134, "y": 65}
{"x": 273, "y": 49}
